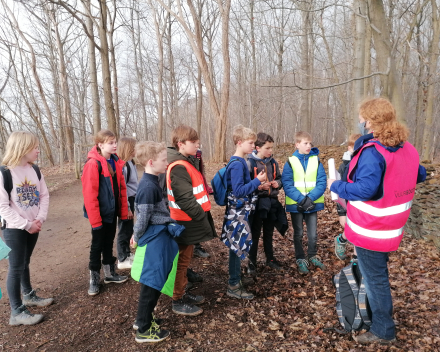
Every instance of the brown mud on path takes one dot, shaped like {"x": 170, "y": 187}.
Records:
{"x": 288, "y": 313}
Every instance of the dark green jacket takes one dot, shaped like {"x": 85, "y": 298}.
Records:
{"x": 201, "y": 227}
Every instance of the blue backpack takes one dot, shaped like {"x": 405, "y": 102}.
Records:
{"x": 219, "y": 185}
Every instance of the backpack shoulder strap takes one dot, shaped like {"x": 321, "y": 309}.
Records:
{"x": 37, "y": 170}
{"x": 364, "y": 307}
{"x": 253, "y": 164}
{"x": 7, "y": 179}
{"x": 351, "y": 278}
{"x": 128, "y": 170}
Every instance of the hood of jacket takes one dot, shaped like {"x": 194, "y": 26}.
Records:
{"x": 174, "y": 155}
{"x": 255, "y": 157}
{"x": 361, "y": 141}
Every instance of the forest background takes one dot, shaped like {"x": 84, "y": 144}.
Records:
{"x": 142, "y": 67}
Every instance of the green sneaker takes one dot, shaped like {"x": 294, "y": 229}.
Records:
{"x": 316, "y": 262}
{"x": 153, "y": 334}
{"x": 340, "y": 247}
{"x": 302, "y": 266}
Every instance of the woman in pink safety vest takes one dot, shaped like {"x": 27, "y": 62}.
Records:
{"x": 382, "y": 177}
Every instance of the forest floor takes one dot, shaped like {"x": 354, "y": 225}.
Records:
{"x": 288, "y": 313}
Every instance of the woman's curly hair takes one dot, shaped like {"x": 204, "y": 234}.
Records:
{"x": 382, "y": 116}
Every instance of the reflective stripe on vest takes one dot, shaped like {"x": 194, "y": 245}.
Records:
{"x": 378, "y": 224}
{"x": 199, "y": 191}
{"x": 304, "y": 181}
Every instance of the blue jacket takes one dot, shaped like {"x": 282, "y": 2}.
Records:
{"x": 293, "y": 193}
{"x": 369, "y": 173}
{"x": 239, "y": 179}
{"x": 159, "y": 255}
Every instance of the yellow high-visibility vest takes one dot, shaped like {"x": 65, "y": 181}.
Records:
{"x": 304, "y": 181}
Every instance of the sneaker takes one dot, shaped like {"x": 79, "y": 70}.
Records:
{"x": 252, "y": 270}
{"x": 32, "y": 300}
{"x": 340, "y": 247}
{"x": 183, "y": 308}
{"x": 126, "y": 264}
{"x": 193, "y": 299}
{"x": 152, "y": 335}
{"x": 199, "y": 251}
{"x": 273, "y": 264}
{"x": 94, "y": 283}
{"x": 193, "y": 276}
{"x": 157, "y": 321}
{"x": 316, "y": 262}
{"x": 369, "y": 337}
{"x": 111, "y": 276}
{"x": 302, "y": 266}
{"x": 22, "y": 316}
{"x": 239, "y": 292}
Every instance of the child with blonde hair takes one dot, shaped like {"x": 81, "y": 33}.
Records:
{"x": 105, "y": 198}
{"x": 126, "y": 152}
{"x": 24, "y": 203}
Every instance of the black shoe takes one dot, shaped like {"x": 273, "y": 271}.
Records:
{"x": 183, "y": 308}
{"x": 273, "y": 264}
{"x": 199, "y": 251}
{"x": 111, "y": 276}
{"x": 189, "y": 286}
{"x": 252, "y": 270}
{"x": 193, "y": 299}
{"x": 153, "y": 334}
{"x": 193, "y": 276}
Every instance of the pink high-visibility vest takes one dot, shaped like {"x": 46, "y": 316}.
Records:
{"x": 377, "y": 225}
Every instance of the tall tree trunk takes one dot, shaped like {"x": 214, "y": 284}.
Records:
{"x": 254, "y": 99}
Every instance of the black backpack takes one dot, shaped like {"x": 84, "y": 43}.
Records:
{"x": 7, "y": 183}
{"x": 352, "y": 305}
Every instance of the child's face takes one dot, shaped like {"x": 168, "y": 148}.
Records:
{"x": 247, "y": 146}
{"x": 32, "y": 156}
{"x": 304, "y": 147}
{"x": 109, "y": 147}
{"x": 159, "y": 166}
{"x": 189, "y": 147}
{"x": 265, "y": 150}
{"x": 350, "y": 148}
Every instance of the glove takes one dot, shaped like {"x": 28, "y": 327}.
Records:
{"x": 306, "y": 205}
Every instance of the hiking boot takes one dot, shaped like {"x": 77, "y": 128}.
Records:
{"x": 239, "y": 292}
{"x": 157, "y": 321}
{"x": 22, "y": 316}
{"x": 273, "y": 264}
{"x": 199, "y": 251}
{"x": 126, "y": 264}
{"x": 340, "y": 247}
{"x": 302, "y": 266}
{"x": 316, "y": 262}
{"x": 94, "y": 283}
{"x": 152, "y": 335}
{"x": 183, "y": 308}
{"x": 193, "y": 276}
{"x": 193, "y": 299}
{"x": 111, "y": 276}
{"x": 252, "y": 269}
{"x": 369, "y": 337}
{"x": 32, "y": 300}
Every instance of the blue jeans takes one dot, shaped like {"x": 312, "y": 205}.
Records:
{"x": 374, "y": 270}
{"x": 234, "y": 269}
{"x": 22, "y": 244}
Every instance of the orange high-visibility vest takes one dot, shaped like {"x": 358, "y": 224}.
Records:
{"x": 199, "y": 191}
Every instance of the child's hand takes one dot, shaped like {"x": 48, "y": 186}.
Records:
{"x": 262, "y": 176}
{"x": 265, "y": 186}
{"x": 35, "y": 227}
{"x": 329, "y": 182}
{"x": 133, "y": 244}
{"x": 274, "y": 184}
{"x": 130, "y": 215}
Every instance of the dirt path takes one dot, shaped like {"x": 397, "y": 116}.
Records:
{"x": 288, "y": 313}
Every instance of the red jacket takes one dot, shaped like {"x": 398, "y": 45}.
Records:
{"x": 377, "y": 225}
{"x": 99, "y": 199}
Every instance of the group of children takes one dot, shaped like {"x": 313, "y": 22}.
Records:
{"x": 166, "y": 229}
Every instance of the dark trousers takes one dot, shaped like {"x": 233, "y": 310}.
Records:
{"x": 102, "y": 244}
{"x": 268, "y": 228}
{"x": 311, "y": 220}
{"x": 124, "y": 234}
{"x": 374, "y": 269}
{"x": 148, "y": 298}
{"x": 22, "y": 244}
